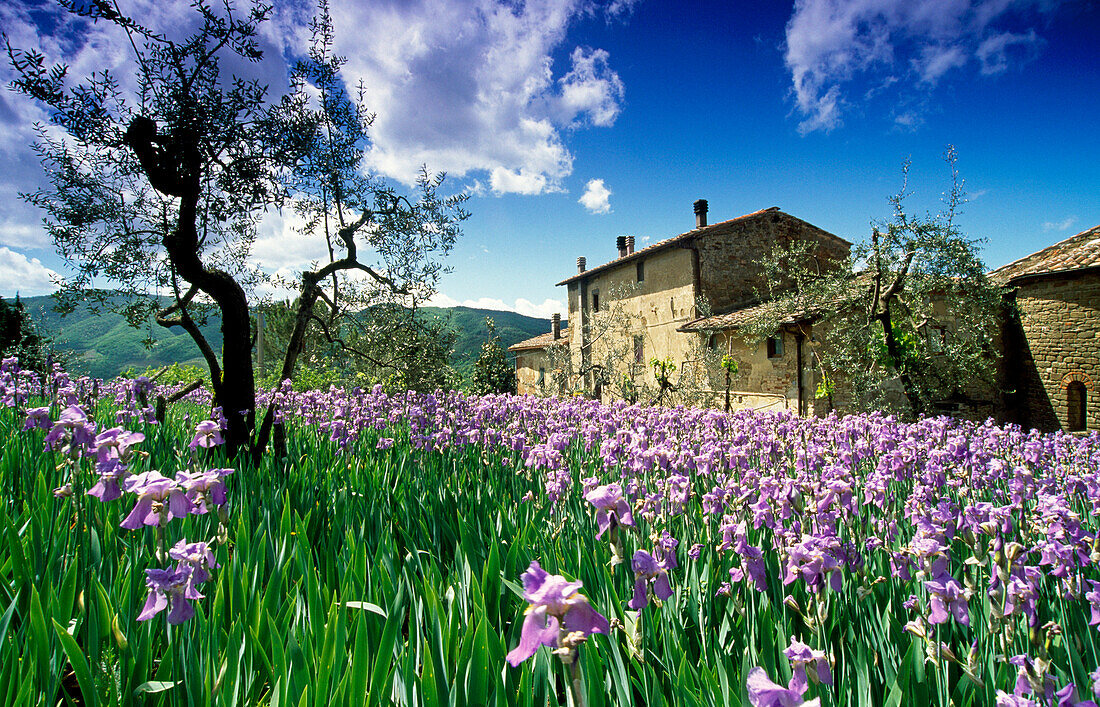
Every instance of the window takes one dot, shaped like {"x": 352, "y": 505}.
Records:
{"x": 1077, "y": 397}
{"x": 639, "y": 349}
{"x": 937, "y": 339}
{"x": 595, "y": 300}
{"x": 641, "y": 271}
{"x": 775, "y": 346}
{"x": 712, "y": 342}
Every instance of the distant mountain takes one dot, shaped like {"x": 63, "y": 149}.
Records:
{"x": 472, "y": 332}
{"x": 104, "y": 345}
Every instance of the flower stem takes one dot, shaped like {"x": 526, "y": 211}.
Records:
{"x": 575, "y": 682}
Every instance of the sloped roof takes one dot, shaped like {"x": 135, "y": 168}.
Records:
{"x": 687, "y": 235}
{"x": 1074, "y": 253}
{"x": 541, "y": 341}
{"x": 739, "y": 317}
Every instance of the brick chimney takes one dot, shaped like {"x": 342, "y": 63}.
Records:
{"x": 580, "y": 265}
{"x": 620, "y": 244}
{"x": 555, "y": 325}
{"x": 700, "y": 213}
{"x": 629, "y": 245}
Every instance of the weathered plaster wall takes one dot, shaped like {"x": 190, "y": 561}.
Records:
{"x": 653, "y": 308}
{"x": 528, "y": 376}
{"x": 764, "y": 382}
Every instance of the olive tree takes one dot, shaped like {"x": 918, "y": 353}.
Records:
{"x": 911, "y": 311}
{"x": 160, "y": 189}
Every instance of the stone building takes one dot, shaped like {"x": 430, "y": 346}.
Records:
{"x": 1051, "y": 339}
{"x": 534, "y": 359}
{"x": 645, "y": 305}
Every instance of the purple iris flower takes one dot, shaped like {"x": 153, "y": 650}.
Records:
{"x": 38, "y": 418}
{"x": 947, "y": 595}
{"x": 765, "y": 693}
{"x": 647, "y": 570}
{"x": 169, "y": 588}
{"x": 555, "y": 608}
{"x": 115, "y": 443}
{"x": 195, "y": 558}
{"x": 814, "y": 561}
{"x": 112, "y": 474}
{"x": 1093, "y": 598}
{"x": 802, "y": 655}
{"x": 611, "y": 508}
{"x": 72, "y": 426}
{"x": 159, "y": 499}
{"x": 203, "y": 487}
{"x": 1067, "y": 697}
{"x": 665, "y": 547}
{"x": 207, "y": 434}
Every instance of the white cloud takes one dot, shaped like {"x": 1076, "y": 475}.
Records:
{"x": 591, "y": 88}
{"x": 1063, "y": 225}
{"x": 279, "y": 244}
{"x": 521, "y": 305}
{"x": 995, "y": 52}
{"x": 22, "y": 235}
{"x": 831, "y": 43}
{"x": 27, "y": 276}
{"x": 595, "y": 197}
{"x": 468, "y": 86}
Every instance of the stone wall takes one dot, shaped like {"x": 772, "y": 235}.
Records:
{"x": 1054, "y": 341}
{"x": 729, "y": 272}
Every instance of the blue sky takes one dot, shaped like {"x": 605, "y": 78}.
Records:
{"x": 571, "y": 122}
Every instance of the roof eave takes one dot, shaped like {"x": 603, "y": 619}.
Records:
{"x": 1071, "y": 272}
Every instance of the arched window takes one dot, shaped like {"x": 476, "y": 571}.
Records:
{"x": 1077, "y": 399}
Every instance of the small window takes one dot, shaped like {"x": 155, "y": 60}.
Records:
{"x": 542, "y": 376}
{"x": 1077, "y": 397}
{"x": 639, "y": 349}
{"x": 712, "y": 342}
{"x": 595, "y": 300}
{"x": 937, "y": 339}
{"x": 775, "y": 346}
{"x": 641, "y": 271}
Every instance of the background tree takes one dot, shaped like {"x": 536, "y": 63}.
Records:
{"x": 162, "y": 190}
{"x": 19, "y": 337}
{"x": 385, "y": 251}
{"x": 493, "y": 373}
{"x": 910, "y": 311}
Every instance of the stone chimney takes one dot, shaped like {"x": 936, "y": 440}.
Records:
{"x": 555, "y": 325}
{"x": 700, "y": 213}
{"x": 620, "y": 244}
{"x": 580, "y": 265}
{"x": 629, "y": 245}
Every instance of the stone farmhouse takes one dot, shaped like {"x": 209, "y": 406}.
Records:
{"x": 657, "y": 290}
{"x": 1050, "y": 368}
{"x": 1051, "y": 363}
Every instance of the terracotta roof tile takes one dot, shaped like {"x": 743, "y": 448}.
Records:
{"x": 1074, "y": 253}
{"x": 541, "y": 341}
{"x": 738, "y": 318}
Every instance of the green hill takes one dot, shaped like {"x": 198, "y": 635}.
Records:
{"x": 472, "y": 332}
{"x": 104, "y": 345}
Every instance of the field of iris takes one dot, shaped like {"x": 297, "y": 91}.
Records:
{"x": 421, "y": 549}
